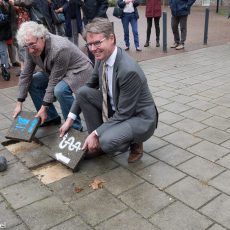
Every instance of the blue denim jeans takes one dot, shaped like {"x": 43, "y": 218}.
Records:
{"x": 126, "y": 19}
{"x": 62, "y": 92}
{"x": 4, "y": 54}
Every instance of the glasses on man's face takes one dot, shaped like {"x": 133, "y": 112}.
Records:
{"x": 96, "y": 44}
{"x": 31, "y": 45}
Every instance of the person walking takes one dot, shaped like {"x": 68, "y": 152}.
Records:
{"x": 153, "y": 11}
{"x": 130, "y": 16}
{"x": 180, "y": 10}
{"x": 118, "y": 108}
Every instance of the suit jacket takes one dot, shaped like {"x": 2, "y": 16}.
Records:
{"x": 131, "y": 95}
{"x": 63, "y": 61}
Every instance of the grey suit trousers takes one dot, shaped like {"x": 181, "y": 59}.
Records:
{"x": 116, "y": 139}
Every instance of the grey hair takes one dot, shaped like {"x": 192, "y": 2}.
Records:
{"x": 32, "y": 29}
{"x": 100, "y": 26}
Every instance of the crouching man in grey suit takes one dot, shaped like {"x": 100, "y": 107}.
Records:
{"x": 130, "y": 117}
{"x": 64, "y": 69}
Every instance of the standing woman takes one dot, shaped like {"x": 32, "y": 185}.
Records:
{"x": 153, "y": 10}
{"x": 130, "y": 15}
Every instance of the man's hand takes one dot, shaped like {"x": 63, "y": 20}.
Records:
{"x": 17, "y": 109}
{"x": 42, "y": 113}
{"x": 91, "y": 143}
{"x": 65, "y": 127}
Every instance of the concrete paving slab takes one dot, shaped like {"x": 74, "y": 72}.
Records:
{"x": 209, "y": 150}
{"x": 24, "y": 193}
{"x": 176, "y": 107}
{"x": 218, "y": 210}
{"x": 153, "y": 143}
{"x": 5, "y": 123}
{"x": 226, "y": 144}
{"x": 172, "y": 155}
{"x": 146, "y": 199}
{"x": 97, "y": 207}
{"x": 182, "y": 139}
{"x": 192, "y": 192}
{"x": 136, "y": 222}
{"x": 19, "y": 227}
{"x": 145, "y": 161}
{"x": 75, "y": 223}
{"x": 196, "y": 114}
{"x": 115, "y": 185}
{"x": 217, "y": 122}
{"x": 225, "y": 161}
{"x": 169, "y": 117}
{"x": 7, "y": 216}
{"x": 8, "y": 155}
{"x": 200, "y": 168}
{"x": 221, "y": 111}
{"x": 216, "y": 227}
{"x": 202, "y": 105}
{"x": 15, "y": 173}
{"x": 45, "y": 214}
{"x": 213, "y": 135}
{"x": 179, "y": 217}
{"x": 153, "y": 175}
{"x": 163, "y": 130}
{"x": 222, "y": 182}
{"x": 66, "y": 187}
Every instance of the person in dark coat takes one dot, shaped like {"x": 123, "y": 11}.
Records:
{"x": 180, "y": 10}
{"x": 153, "y": 10}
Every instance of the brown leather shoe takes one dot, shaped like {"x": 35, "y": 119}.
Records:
{"x": 136, "y": 152}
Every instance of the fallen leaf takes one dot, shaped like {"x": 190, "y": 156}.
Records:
{"x": 96, "y": 184}
{"x": 78, "y": 189}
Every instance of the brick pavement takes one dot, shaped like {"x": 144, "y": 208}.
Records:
{"x": 181, "y": 183}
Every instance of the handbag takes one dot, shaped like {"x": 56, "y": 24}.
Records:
{"x": 57, "y": 18}
{"x": 117, "y": 12}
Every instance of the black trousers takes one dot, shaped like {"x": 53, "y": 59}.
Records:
{"x": 157, "y": 28}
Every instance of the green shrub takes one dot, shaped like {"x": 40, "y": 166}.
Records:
{"x": 112, "y": 2}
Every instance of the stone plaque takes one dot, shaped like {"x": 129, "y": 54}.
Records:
{"x": 24, "y": 126}
{"x": 67, "y": 150}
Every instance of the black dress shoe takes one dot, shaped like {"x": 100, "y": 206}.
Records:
{"x": 146, "y": 44}
{"x": 55, "y": 121}
{"x": 5, "y": 73}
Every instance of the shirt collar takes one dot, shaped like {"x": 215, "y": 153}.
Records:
{"x": 111, "y": 60}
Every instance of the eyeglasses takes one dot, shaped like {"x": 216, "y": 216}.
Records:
{"x": 31, "y": 45}
{"x": 97, "y": 44}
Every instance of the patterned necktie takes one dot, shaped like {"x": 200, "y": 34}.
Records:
{"x": 104, "y": 94}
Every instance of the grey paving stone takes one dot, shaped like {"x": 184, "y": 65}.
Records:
{"x": 176, "y": 107}
{"x": 200, "y": 168}
{"x": 222, "y": 182}
{"x": 8, "y": 155}
{"x": 218, "y": 210}
{"x": 218, "y": 122}
{"x": 208, "y": 150}
{"x": 196, "y": 114}
{"x": 7, "y": 216}
{"x": 5, "y": 123}
{"x": 172, "y": 155}
{"x": 160, "y": 101}
{"x": 145, "y": 161}
{"x": 165, "y": 94}
{"x": 226, "y": 144}
{"x": 45, "y": 213}
{"x": 146, "y": 199}
{"x": 127, "y": 220}
{"x": 192, "y": 192}
{"x": 180, "y": 217}
{"x": 66, "y": 187}
{"x": 35, "y": 157}
{"x": 202, "y": 105}
{"x": 216, "y": 227}
{"x": 225, "y": 161}
{"x": 182, "y": 99}
{"x": 15, "y": 173}
{"x": 96, "y": 166}
{"x": 72, "y": 224}
{"x": 160, "y": 174}
{"x": 182, "y": 139}
{"x": 24, "y": 193}
{"x": 116, "y": 185}
{"x": 221, "y": 111}
{"x": 189, "y": 126}
{"x": 19, "y": 227}
{"x": 163, "y": 130}
{"x": 169, "y": 117}
{"x": 43, "y": 132}
{"x": 1, "y": 198}
{"x": 97, "y": 206}
{"x": 224, "y": 101}
{"x": 153, "y": 143}
{"x": 214, "y": 135}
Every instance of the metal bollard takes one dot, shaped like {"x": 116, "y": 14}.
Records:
{"x": 206, "y": 26}
{"x": 165, "y": 31}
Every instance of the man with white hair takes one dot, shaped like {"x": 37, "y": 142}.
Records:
{"x": 64, "y": 69}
